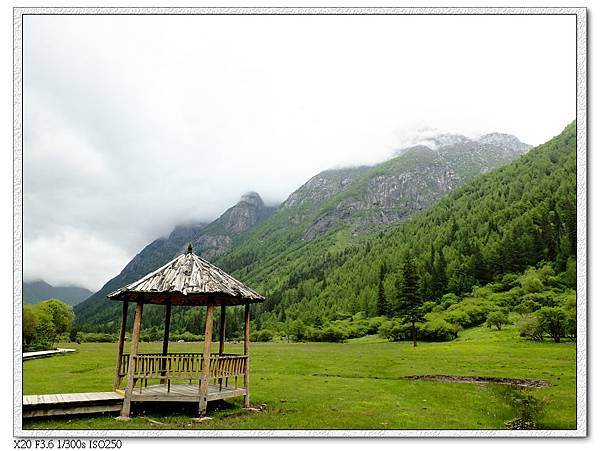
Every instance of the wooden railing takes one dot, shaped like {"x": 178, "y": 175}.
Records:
{"x": 184, "y": 367}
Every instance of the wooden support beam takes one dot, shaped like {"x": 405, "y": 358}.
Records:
{"x": 165, "y": 347}
{"x": 222, "y": 340}
{"x": 247, "y": 354}
{"x": 222, "y": 331}
{"x": 135, "y": 341}
{"x": 208, "y": 329}
{"x": 121, "y": 343}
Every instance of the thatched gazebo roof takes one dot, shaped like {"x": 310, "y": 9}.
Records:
{"x": 188, "y": 280}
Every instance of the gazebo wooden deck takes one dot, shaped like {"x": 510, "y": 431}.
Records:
{"x": 183, "y": 377}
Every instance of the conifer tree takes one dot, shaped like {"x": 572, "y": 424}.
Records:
{"x": 383, "y": 307}
{"x": 409, "y": 302}
{"x": 438, "y": 275}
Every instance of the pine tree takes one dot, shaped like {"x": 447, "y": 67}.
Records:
{"x": 383, "y": 307}
{"x": 409, "y": 302}
{"x": 439, "y": 279}
{"x": 426, "y": 287}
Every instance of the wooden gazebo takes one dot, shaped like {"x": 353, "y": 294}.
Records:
{"x": 183, "y": 377}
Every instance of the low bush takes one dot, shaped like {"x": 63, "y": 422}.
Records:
{"x": 394, "y": 330}
{"x": 552, "y": 320}
{"x": 375, "y": 323}
{"x": 262, "y": 335}
{"x": 437, "y": 329}
{"x": 95, "y": 337}
{"x": 469, "y": 312}
{"x": 529, "y": 327}
{"x": 527, "y": 408}
{"x": 496, "y": 319}
{"x": 335, "y": 333}
{"x": 569, "y": 306}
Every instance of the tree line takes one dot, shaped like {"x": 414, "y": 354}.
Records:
{"x": 45, "y": 323}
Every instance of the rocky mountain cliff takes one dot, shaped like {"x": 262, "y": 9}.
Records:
{"x": 417, "y": 177}
{"x": 324, "y": 186}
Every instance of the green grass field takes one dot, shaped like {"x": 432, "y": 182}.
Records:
{"x": 354, "y": 385}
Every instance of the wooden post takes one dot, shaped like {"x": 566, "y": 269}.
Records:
{"x": 117, "y": 380}
{"x": 135, "y": 341}
{"x": 165, "y": 347}
{"x": 247, "y": 354}
{"x": 222, "y": 340}
{"x": 206, "y": 360}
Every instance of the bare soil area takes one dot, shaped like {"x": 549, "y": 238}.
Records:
{"x": 529, "y": 383}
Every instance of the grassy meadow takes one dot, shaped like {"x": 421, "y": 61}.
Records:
{"x": 353, "y": 385}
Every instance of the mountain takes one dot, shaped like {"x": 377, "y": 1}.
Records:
{"x": 343, "y": 206}
{"x": 331, "y": 211}
{"x": 37, "y": 291}
{"x": 488, "y": 230}
{"x": 208, "y": 241}
{"x": 417, "y": 177}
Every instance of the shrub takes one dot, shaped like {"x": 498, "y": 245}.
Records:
{"x": 542, "y": 299}
{"x": 458, "y": 317}
{"x": 438, "y": 329}
{"x": 60, "y": 315}
{"x": 394, "y": 330}
{"x": 263, "y": 335}
{"x": 340, "y": 315}
{"x": 312, "y": 334}
{"x": 448, "y": 300}
{"x": 334, "y": 333}
{"x": 552, "y": 321}
{"x": 45, "y": 323}
{"x": 375, "y": 323}
{"x": 151, "y": 334}
{"x": 496, "y": 319}
{"x": 569, "y": 277}
{"x": 296, "y": 330}
{"x": 531, "y": 283}
{"x": 525, "y": 406}
{"x": 569, "y": 306}
{"x": 528, "y": 306}
{"x": 358, "y": 329}
{"x": 481, "y": 292}
{"x": 508, "y": 281}
{"x": 507, "y": 298}
{"x": 95, "y": 337}
{"x": 29, "y": 325}
{"x": 469, "y": 312}
{"x": 44, "y": 330}
{"x": 529, "y": 327}
{"x": 427, "y": 307}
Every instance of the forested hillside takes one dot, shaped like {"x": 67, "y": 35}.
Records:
{"x": 517, "y": 216}
{"x": 364, "y": 201}
{"x": 333, "y": 211}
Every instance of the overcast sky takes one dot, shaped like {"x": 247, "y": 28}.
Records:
{"x": 135, "y": 123}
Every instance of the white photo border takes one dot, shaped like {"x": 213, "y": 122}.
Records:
{"x": 581, "y": 124}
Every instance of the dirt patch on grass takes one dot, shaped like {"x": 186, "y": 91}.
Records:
{"x": 529, "y": 383}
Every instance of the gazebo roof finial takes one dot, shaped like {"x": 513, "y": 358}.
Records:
{"x": 190, "y": 249}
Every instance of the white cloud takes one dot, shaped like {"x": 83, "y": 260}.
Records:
{"x": 70, "y": 256}
{"x": 135, "y": 123}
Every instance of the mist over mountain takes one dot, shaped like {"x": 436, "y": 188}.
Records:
{"x": 208, "y": 240}
{"x": 36, "y": 291}
{"x": 348, "y": 202}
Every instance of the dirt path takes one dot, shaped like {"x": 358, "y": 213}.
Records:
{"x": 530, "y": 383}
